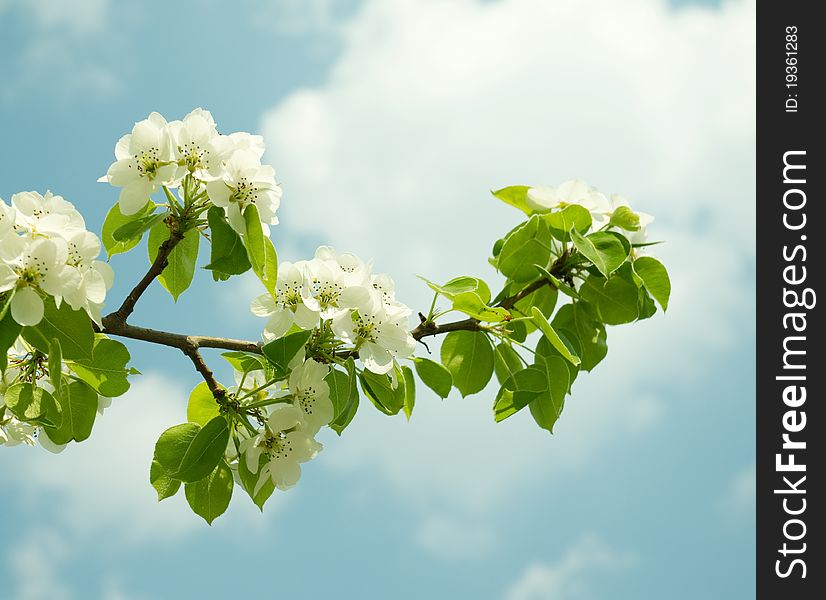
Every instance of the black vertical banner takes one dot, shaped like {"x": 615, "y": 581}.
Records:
{"x": 791, "y": 427}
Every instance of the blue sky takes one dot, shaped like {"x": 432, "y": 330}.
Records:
{"x": 387, "y": 121}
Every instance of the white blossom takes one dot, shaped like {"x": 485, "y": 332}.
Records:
{"x": 311, "y": 394}
{"x": 284, "y": 444}
{"x": 291, "y": 305}
{"x": 145, "y": 160}
{"x": 246, "y": 181}
{"x": 569, "y": 193}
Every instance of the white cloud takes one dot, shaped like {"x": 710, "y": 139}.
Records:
{"x": 571, "y": 576}
{"x": 103, "y": 483}
{"x": 35, "y": 562}
{"x": 449, "y": 537}
{"x": 432, "y": 103}
{"x": 57, "y": 32}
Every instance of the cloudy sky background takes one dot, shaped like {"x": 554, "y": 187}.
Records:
{"x": 388, "y": 121}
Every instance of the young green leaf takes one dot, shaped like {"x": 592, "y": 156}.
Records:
{"x": 107, "y": 371}
{"x": 9, "y": 332}
{"x": 379, "y": 389}
{"x": 164, "y": 485}
{"x": 625, "y": 218}
{"x": 33, "y": 404}
{"x": 516, "y": 196}
{"x": 527, "y": 245}
{"x": 518, "y": 391}
{"x": 547, "y": 407}
{"x": 434, "y": 376}
{"x": 604, "y": 249}
{"x": 506, "y": 362}
{"x": 281, "y": 351}
{"x": 472, "y": 305}
{"x": 249, "y": 481}
{"x": 55, "y": 364}
{"x": 114, "y": 221}
{"x": 72, "y": 328}
{"x": 188, "y": 452}
{"x": 260, "y": 251}
{"x": 468, "y": 356}
{"x": 616, "y": 299}
{"x": 344, "y": 395}
{"x": 461, "y": 285}
{"x": 244, "y": 362}
{"x": 133, "y": 230}
{"x": 655, "y": 278}
{"x": 79, "y": 404}
{"x": 202, "y": 407}
{"x": 227, "y": 253}
{"x": 209, "y": 497}
{"x": 548, "y": 331}
{"x": 589, "y": 332}
{"x": 180, "y": 268}
{"x": 206, "y": 449}
{"x": 562, "y": 221}
{"x": 409, "y": 391}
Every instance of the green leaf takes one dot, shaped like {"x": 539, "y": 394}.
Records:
{"x": 260, "y": 251}
{"x": 548, "y": 331}
{"x": 33, "y": 404}
{"x": 202, "y": 407}
{"x": 518, "y": 391}
{"x": 133, "y": 230}
{"x": 188, "y": 452}
{"x": 249, "y": 481}
{"x": 655, "y": 278}
{"x": 55, "y": 365}
{"x": 9, "y": 332}
{"x": 180, "y": 270}
{"x": 461, "y": 285}
{"x": 616, "y": 299}
{"x": 547, "y": 407}
{"x": 434, "y": 376}
{"x": 227, "y": 254}
{"x": 281, "y": 351}
{"x": 506, "y": 362}
{"x": 528, "y": 245}
{"x": 473, "y": 306}
{"x": 72, "y": 328}
{"x": 409, "y": 391}
{"x": 625, "y": 218}
{"x": 558, "y": 284}
{"x": 210, "y": 496}
{"x": 379, "y": 389}
{"x": 544, "y": 349}
{"x": 244, "y": 362}
{"x": 515, "y": 195}
{"x": 344, "y": 395}
{"x": 107, "y": 372}
{"x": 544, "y": 299}
{"x": 164, "y": 485}
{"x": 468, "y": 356}
{"x": 114, "y": 221}
{"x": 206, "y": 450}
{"x": 604, "y": 249}
{"x": 79, "y": 405}
{"x": 589, "y": 332}
{"x": 561, "y": 222}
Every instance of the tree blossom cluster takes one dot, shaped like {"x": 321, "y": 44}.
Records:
{"x": 45, "y": 250}
{"x": 226, "y": 168}
{"x": 22, "y": 368}
{"x": 286, "y": 436}
{"x": 602, "y": 208}
{"x": 338, "y": 292}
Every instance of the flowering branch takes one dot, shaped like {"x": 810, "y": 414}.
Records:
{"x": 157, "y": 267}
